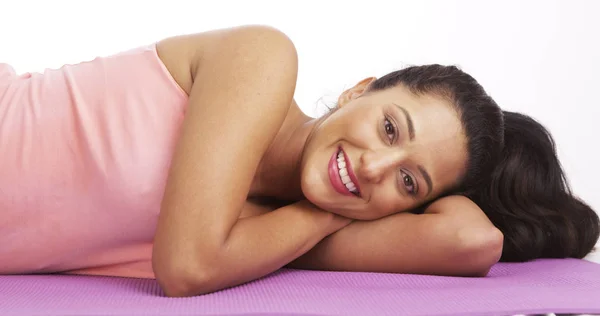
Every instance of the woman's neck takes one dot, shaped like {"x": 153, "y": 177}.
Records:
{"x": 278, "y": 174}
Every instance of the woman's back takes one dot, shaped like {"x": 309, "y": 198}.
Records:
{"x": 85, "y": 155}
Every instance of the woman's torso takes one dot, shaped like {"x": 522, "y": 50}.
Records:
{"x": 85, "y": 155}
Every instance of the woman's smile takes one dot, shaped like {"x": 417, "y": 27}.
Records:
{"x": 341, "y": 175}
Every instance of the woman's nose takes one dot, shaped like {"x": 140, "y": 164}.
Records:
{"x": 375, "y": 164}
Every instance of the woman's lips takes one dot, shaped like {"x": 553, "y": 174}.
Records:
{"x": 334, "y": 176}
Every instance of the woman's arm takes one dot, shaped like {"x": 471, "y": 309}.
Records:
{"x": 243, "y": 84}
{"x": 453, "y": 237}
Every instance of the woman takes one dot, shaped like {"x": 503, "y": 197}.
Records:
{"x": 188, "y": 161}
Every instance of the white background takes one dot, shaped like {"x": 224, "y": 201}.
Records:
{"x": 537, "y": 57}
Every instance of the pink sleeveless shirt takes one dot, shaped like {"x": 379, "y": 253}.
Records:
{"x": 84, "y": 156}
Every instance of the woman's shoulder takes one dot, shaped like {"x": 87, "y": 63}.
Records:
{"x": 183, "y": 55}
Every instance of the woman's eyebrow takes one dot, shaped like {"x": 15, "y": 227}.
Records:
{"x": 427, "y": 179}
{"x": 409, "y": 122}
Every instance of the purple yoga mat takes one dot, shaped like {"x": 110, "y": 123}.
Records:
{"x": 543, "y": 286}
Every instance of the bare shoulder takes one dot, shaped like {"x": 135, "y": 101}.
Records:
{"x": 184, "y": 55}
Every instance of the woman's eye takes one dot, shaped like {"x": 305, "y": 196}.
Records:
{"x": 390, "y": 130}
{"x": 409, "y": 183}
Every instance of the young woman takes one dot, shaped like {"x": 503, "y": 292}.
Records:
{"x": 188, "y": 161}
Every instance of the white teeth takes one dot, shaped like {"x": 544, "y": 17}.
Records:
{"x": 343, "y": 171}
{"x": 346, "y": 179}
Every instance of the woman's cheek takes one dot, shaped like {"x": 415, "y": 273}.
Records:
{"x": 387, "y": 204}
{"x": 363, "y": 132}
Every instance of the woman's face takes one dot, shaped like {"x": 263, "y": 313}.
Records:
{"x": 382, "y": 153}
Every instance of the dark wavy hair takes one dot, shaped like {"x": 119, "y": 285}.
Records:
{"x": 513, "y": 173}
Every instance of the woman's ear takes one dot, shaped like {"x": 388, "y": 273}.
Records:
{"x": 359, "y": 89}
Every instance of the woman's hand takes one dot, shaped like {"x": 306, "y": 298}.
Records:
{"x": 257, "y": 207}
{"x": 336, "y": 223}
{"x": 453, "y": 237}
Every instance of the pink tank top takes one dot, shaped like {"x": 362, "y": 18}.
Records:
{"x": 84, "y": 156}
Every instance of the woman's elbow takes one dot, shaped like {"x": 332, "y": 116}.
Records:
{"x": 179, "y": 279}
{"x": 482, "y": 249}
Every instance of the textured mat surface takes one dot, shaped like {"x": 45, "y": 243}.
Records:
{"x": 543, "y": 286}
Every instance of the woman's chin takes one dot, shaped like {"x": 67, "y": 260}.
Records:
{"x": 328, "y": 203}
